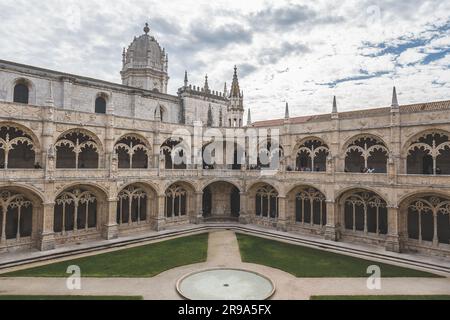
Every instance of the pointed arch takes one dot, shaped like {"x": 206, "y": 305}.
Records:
{"x": 133, "y": 151}
{"x": 364, "y": 211}
{"x": 311, "y": 155}
{"x": 428, "y": 152}
{"x": 366, "y": 153}
{"x": 18, "y": 147}
{"x": 78, "y": 149}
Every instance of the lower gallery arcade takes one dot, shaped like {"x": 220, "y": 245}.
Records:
{"x": 84, "y": 211}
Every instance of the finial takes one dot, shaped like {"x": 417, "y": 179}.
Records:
{"x": 334, "y": 105}
{"x": 186, "y": 81}
{"x": 249, "y": 118}
{"x": 146, "y": 28}
{"x": 286, "y": 114}
{"x": 394, "y": 99}
{"x": 206, "y": 84}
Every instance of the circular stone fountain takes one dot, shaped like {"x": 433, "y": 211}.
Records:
{"x": 225, "y": 284}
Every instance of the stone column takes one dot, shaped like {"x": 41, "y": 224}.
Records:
{"x": 331, "y": 229}
{"x": 111, "y": 229}
{"x": 47, "y": 236}
{"x": 159, "y": 217}
{"x": 243, "y": 215}
{"x": 393, "y": 239}
{"x": 109, "y": 153}
{"x": 198, "y": 207}
{"x": 282, "y": 214}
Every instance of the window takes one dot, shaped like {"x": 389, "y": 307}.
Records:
{"x": 100, "y": 105}
{"x": 21, "y": 93}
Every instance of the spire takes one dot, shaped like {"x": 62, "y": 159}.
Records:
{"x": 249, "y": 118}
{"x": 286, "y": 114}
{"x": 235, "y": 90}
{"x": 394, "y": 99}
{"x": 225, "y": 90}
{"x": 146, "y": 28}
{"x": 335, "y": 110}
{"x": 206, "y": 87}
{"x": 186, "y": 81}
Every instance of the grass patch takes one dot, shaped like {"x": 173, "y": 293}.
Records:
{"x": 313, "y": 263}
{"x": 57, "y": 298}
{"x": 397, "y": 298}
{"x": 138, "y": 262}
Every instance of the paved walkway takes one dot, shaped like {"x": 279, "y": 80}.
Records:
{"x": 223, "y": 251}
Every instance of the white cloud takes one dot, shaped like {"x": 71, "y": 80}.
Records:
{"x": 288, "y": 50}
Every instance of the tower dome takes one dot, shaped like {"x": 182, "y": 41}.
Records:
{"x": 145, "y": 64}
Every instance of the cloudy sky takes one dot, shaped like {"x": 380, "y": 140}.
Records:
{"x": 303, "y": 52}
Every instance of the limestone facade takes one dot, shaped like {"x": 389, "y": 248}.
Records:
{"x": 379, "y": 176}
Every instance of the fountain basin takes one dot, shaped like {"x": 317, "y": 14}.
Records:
{"x": 225, "y": 284}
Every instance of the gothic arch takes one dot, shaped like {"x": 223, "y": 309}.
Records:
{"x": 311, "y": 154}
{"x": 133, "y": 151}
{"x": 307, "y": 206}
{"x": 179, "y": 200}
{"x": 78, "y": 149}
{"x": 362, "y": 210}
{"x": 146, "y": 185}
{"x": 136, "y": 203}
{"x": 428, "y": 152}
{"x": 425, "y": 218}
{"x": 181, "y": 151}
{"x": 25, "y": 129}
{"x": 80, "y": 208}
{"x": 365, "y": 151}
{"x": 19, "y": 147}
{"x": 161, "y": 113}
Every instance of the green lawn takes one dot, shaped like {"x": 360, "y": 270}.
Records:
{"x": 55, "y": 298}
{"x": 143, "y": 261}
{"x": 380, "y": 298}
{"x": 312, "y": 263}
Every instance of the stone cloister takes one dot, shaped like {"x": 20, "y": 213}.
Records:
{"x": 84, "y": 159}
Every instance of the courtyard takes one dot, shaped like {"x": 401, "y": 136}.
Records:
{"x": 150, "y": 271}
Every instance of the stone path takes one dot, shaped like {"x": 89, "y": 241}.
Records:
{"x": 223, "y": 251}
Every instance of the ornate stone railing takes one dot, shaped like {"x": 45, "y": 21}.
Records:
{"x": 81, "y": 174}
{"x": 21, "y": 174}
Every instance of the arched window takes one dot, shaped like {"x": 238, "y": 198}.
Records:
{"x": 266, "y": 205}
{"x": 100, "y": 105}
{"x": 17, "y": 150}
{"x": 176, "y": 201}
{"x": 159, "y": 114}
{"x": 429, "y": 219}
{"x": 77, "y": 150}
{"x": 132, "y": 206}
{"x": 312, "y": 156}
{"x": 132, "y": 153}
{"x": 21, "y": 93}
{"x": 270, "y": 155}
{"x": 175, "y": 154}
{"x": 430, "y": 154}
{"x": 365, "y": 211}
{"x": 366, "y": 154}
{"x": 16, "y": 216}
{"x": 310, "y": 207}
{"x": 75, "y": 210}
